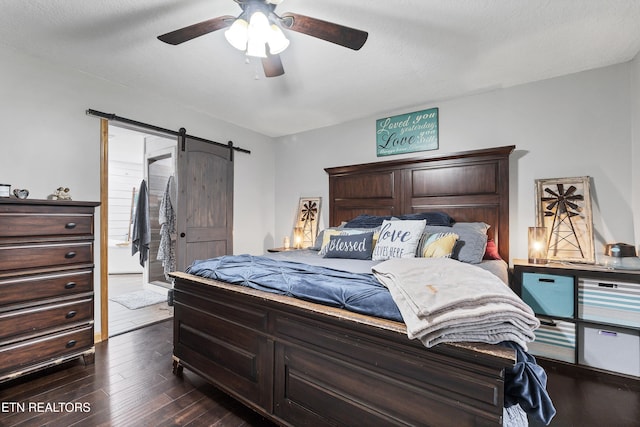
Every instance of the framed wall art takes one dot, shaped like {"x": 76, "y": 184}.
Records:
{"x": 563, "y": 207}
{"x": 307, "y": 221}
{"x": 407, "y": 133}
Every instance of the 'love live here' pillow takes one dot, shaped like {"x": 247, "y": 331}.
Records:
{"x": 398, "y": 239}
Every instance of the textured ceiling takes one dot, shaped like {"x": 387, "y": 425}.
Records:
{"x": 418, "y": 52}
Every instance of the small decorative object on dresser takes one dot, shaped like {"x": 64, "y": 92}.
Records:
{"x": 46, "y": 284}
{"x": 590, "y": 315}
{"x": 21, "y": 193}
{"x": 5, "y": 190}
{"x": 61, "y": 193}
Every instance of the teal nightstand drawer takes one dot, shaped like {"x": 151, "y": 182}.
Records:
{"x": 549, "y": 294}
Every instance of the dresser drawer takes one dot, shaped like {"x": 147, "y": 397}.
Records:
{"x": 609, "y": 301}
{"x": 35, "y": 223}
{"x": 17, "y": 290}
{"x": 42, "y": 349}
{"x": 548, "y": 294}
{"x": 43, "y": 317}
{"x": 613, "y": 349}
{"x": 45, "y": 255}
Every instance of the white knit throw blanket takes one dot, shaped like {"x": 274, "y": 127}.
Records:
{"x": 444, "y": 300}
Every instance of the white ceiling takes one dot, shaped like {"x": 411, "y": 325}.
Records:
{"x": 418, "y": 52}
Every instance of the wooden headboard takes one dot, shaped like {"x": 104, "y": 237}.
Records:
{"x": 470, "y": 186}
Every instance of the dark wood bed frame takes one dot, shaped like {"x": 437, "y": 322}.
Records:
{"x": 304, "y": 364}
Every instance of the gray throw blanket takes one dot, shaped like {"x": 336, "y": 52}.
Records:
{"x": 167, "y": 221}
{"x": 444, "y": 300}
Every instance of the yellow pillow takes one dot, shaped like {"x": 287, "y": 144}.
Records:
{"x": 326, "y": 236}
{"x": 438, "y": 245}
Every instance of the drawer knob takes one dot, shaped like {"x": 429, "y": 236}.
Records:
{"x": 71, "y": 344}
{"x": 71, "y": 314}
{"x": 70, "y": 285}
{"x": 70, "y": 225}
{"x": 70, "y": 254}
{"x": 545, "y": 280}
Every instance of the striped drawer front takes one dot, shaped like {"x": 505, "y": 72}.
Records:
{"x": 555, "y": 339}
{"x": 609, "y": 301}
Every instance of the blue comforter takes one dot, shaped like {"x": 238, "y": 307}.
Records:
{"x": 360, "y": 293}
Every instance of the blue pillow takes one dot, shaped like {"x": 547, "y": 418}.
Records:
{"x": 373, "y": 221}
{"x": 351, "y": 246}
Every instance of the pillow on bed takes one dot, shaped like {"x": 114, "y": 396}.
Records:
{"x": 326, "y": 236}
{"x": 320, "y": 239}
{"x": 371, "y": 221}
{"x": 437, "y": 245}
{"x": 472, "y": 240}
{"x": 398, "y": 239}
{"x": 491, "y": 252}
{"x": 352, "y": 246}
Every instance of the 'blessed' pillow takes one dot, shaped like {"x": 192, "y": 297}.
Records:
{"x": 398, "y": 239}
{"x": 352, "y": 246}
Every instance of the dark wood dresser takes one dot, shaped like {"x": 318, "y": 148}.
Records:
{"x": 46, "y": 284}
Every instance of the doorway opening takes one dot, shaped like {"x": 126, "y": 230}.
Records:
{"x": 137, "y": 292}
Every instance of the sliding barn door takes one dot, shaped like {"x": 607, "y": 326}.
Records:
{"x": 205, "y": 201}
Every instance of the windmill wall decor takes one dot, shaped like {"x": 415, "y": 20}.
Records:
{"x": 563, "y": 206}
{"x": 307, "y": 219}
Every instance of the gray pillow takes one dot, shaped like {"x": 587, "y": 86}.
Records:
{"x": 472, "y": 241}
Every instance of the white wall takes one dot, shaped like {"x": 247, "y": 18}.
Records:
{"x": 635, "y": 144}
{"x": 48, "y": 141}
{"x": 570, "y": 126}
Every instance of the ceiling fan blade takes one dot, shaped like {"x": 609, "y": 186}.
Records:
{"x": 196, "y": 30}
{"x": 272, "y": 66}
{"x": 334, "y": 33}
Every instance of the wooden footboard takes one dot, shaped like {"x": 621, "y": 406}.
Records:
{"x": 300, "y": 363}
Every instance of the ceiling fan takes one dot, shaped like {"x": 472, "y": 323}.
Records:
{"x": 257, "y": 32}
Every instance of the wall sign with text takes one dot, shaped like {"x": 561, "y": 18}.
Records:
{"x": 407, "y": 133}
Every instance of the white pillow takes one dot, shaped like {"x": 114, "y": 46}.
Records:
{"x": 398, "y": 239}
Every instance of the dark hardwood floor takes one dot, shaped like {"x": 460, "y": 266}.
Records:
{"x": 131, "y": 384}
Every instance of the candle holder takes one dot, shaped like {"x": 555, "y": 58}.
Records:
{"x": 537, "y": 245}
{"x": 297, "y": 237}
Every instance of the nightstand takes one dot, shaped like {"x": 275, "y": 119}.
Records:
{"x": 590, "y": 315}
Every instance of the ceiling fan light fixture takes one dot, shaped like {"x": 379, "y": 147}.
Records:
{"x": 277, "y": 41}
{"x": 258, "y": 34}
{"x": 256, "y": 47}
{"x": 237, "y": 34}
